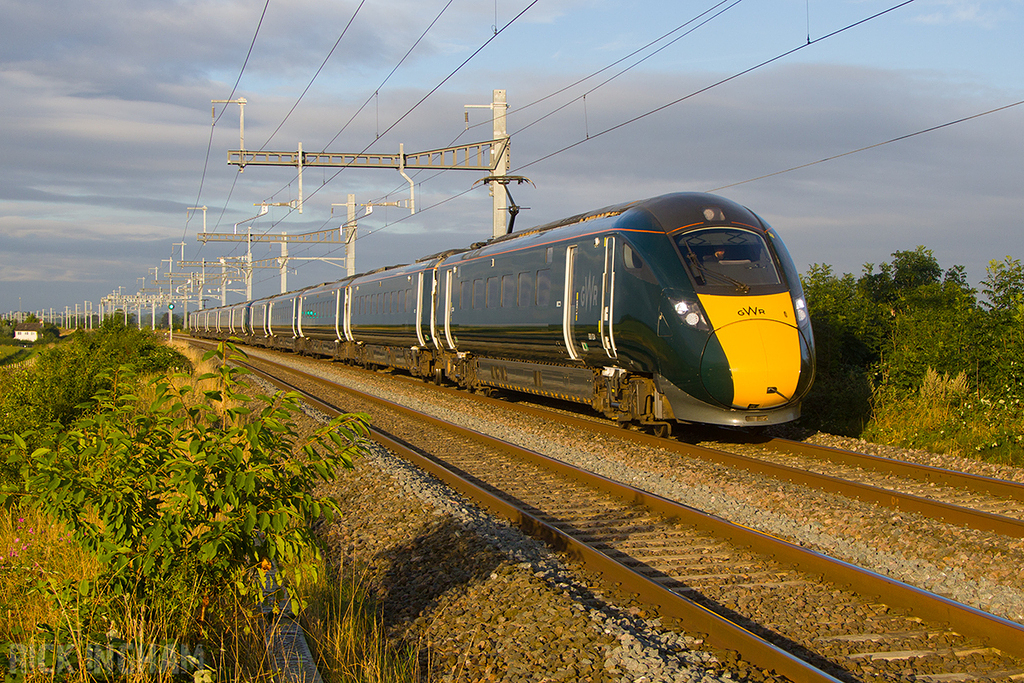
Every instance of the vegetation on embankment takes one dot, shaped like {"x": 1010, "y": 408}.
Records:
{"x": 14, "y": 351}
{"x": 908, "y": 355}
{"x": 143, "y": 505}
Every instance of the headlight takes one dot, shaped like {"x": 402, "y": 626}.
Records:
{"x": 801, "y": 310}
{"x": 691, "y": 314}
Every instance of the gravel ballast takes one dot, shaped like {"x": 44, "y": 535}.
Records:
{"x": 976, "y": 568}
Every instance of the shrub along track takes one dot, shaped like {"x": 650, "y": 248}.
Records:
{"x": 853, "y": 637}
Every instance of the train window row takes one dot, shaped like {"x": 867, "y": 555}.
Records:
{"x": 320, "y": 309}
{"x": 385, "y": 302}
{"x": 527, "y": 288}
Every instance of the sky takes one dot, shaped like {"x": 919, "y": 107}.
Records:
{"x": 107, "y": 138}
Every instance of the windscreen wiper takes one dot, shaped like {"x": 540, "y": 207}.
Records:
{"x": 703, "y": 271}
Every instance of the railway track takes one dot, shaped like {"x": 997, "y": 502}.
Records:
{"x": 961, "y": 498}
{"x": 749, "y": 591}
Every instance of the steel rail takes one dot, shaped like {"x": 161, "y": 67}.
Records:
{"x": 719, "y": 631}
{"x": 907, "y": 502}
{"x": 998, "y": 632}
{"x": 927, "y": 473}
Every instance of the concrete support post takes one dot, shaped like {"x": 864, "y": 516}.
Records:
{"x": 502, "y": 164}
{"x": 350, "y": 237}
{"x": 284, "y": 264}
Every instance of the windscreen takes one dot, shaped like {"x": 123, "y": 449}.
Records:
{"x": 731, "y": 259}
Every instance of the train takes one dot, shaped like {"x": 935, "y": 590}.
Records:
{"x": 679, "y": 309}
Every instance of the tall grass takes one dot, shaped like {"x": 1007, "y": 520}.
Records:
{"x": 948, "y": 415}
{"x": 34, "y": 549}
{"x": 345, "y": 628}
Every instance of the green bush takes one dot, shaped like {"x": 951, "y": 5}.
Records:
{"x": 179, "y": 495}
{"x": 885, "y": 338}
{"x": 65, "y": 377}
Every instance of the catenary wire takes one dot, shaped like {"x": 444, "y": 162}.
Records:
{"x": 209, "y": 145}
{"x": 423, "y": 99}
{"x": 613, "y": 64}
{"x": 676, "y": 101}
{"x": 596, "y": 73}
{"x": 685, "y": 97}
{"x": 377, "y": 90}
{"x": 310, "y": 84}
{"x": 899, "y": 138}
{"x": 877, "y": 144}
{"x": 746, "y": 71}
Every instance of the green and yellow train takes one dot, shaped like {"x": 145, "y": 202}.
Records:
{"x": 684, "y": 308}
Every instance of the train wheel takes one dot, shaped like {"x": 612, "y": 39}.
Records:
{"x": 661, "y": 430}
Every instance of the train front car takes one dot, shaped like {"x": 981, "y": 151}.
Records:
{"x": 733, "y": 334}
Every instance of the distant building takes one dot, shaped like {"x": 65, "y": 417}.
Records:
{"x": 28, "y": 331}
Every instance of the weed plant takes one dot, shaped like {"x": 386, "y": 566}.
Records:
{"x": 179, "y": 497}
{"x": 947, "y": 415}
{"x": 345, "y": 628}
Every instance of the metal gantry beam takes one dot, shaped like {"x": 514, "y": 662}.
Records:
{"x": 472, "y": 157}
{"x": 491, "y": 157}
{"x": 330, "y": 236}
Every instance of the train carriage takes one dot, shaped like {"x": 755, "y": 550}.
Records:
{"x": 281, "y": 325}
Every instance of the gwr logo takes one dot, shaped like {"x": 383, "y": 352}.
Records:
{"x": 589, "y": 293}
{"x": 750, "y": 310}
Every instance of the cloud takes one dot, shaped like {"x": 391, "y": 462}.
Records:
{"x": 984, "y": 13}
{"x": 107, "y": 129}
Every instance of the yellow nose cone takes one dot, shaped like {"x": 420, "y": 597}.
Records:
{"x": 764, "y": 361}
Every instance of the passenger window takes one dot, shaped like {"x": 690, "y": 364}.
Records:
{"x": 508, "y": 290}
{"x": 544, "y": 287}
{"x": 525, "y": 289}
{"x": 465, "y": 294}
{"x": 493, "y": 292}
{"x": 478, "y": 293}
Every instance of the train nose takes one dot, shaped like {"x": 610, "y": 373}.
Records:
{"x": 752, "y": 364}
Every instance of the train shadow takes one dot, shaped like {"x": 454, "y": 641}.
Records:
{"x": 443, "y": 557}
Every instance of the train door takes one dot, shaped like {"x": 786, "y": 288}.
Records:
{"x": 419, "y": 310}
{"x": 589, "y": 285}
{"x": 264, "y": 320}
{"x": 345, "y": 315}
{"x": 568, "y": 309}
{"x": 604, "y": 325}
{"x": 434, "y": 286}
{"x": 449, "y": 280}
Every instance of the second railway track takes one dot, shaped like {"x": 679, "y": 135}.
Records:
{"x": 854, "y": 637}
